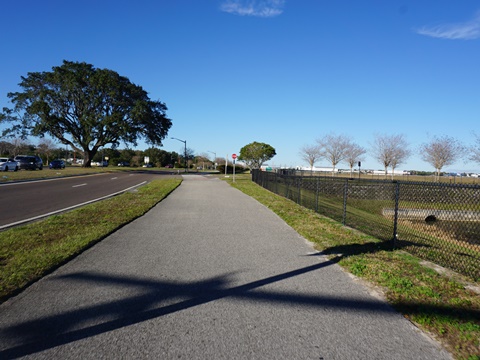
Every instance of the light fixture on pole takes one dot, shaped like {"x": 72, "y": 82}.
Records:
{"x": 185, "y": 155}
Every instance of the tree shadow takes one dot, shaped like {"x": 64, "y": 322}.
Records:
{"x": 154, "y": 298}
{"x": 357, "y": 249}
{"x": 453, "y": 313}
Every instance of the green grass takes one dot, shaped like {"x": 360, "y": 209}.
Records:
{"x": 436, "y": 303}
{"x": 47, "y": 173}
{"x": 29, "y": 252}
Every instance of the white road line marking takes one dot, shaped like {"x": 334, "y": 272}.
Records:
{"x": 79, "y": 185}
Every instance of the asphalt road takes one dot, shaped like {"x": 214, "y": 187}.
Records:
{"x": 21, "y": 201}
{"x": 209, "y": 273}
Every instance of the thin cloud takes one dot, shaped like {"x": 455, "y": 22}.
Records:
{"x": 259, "y": 8}
{"x": 469, "y": 30}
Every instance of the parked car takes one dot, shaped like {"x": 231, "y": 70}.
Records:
{"x": 100, "y": 163}
{"x": 123, "y": 163}
{"x": 57, "y": 164}
{"x": 8, "y": 165}
{"x": 29, "y": 162}
{"x": 147, "y": 165}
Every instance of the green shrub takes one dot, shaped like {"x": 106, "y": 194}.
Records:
{"x": 238, "y": 169}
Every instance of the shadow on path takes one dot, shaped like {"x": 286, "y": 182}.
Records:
{"x": 48, "y": 332}
{"x": 156, "y": 299}
{"x": 454, "y": 313}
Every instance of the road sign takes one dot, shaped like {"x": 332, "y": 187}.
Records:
{"x": 234, "y": 156}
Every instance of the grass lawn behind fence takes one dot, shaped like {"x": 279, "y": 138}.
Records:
{"x": 439, "y": 304}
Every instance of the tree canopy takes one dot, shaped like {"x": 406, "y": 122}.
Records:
{"x": 255, "y": 154}
{"x": 311, "y": 154}
{"x": 475, "y": 150}
{"x": 390, "y": 150}
{"x": 441, "y": 151}
{"x": 333, "y": 148}
{"x": 86, "y": 108}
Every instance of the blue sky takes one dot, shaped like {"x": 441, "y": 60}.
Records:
{"x": 283, "y": 72}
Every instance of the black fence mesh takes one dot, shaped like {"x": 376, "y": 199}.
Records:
{"x": 436, "y": 221}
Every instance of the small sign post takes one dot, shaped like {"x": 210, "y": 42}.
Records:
{"x": 234, "y": 157}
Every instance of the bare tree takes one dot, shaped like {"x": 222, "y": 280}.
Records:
{"x": 401, "y": 153}
{"x": 219, "y": 161}
{"x": 441, "y": 151}
{"x": 353, "y": 154}
{"x": 46, "y": 148}
{"x": 202, "y": 160}
{"x": 475, "y": 150}
{"x": 6, "y": 148}
{"x": 311, "y": 154}
{"x": 333, "y": 148}
{"x": 390, "y": 150}
{"x": 19, "y": 146}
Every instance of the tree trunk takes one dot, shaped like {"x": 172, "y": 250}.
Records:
{"x": 89, "y": 154}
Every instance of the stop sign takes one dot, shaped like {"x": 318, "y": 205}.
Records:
{"x": 234, "y": 156}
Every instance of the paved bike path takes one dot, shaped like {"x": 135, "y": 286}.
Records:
{"x": 209, "y": 273}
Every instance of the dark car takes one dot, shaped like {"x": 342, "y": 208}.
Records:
{"x": 123, "y": 163}
{"x": 29, "y": 162}
{"x": 57, "y": 164}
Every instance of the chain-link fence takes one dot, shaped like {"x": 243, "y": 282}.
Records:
{"x": 437, "y": 222}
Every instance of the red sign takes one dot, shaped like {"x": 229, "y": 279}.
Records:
{"x": 234, "y": 156}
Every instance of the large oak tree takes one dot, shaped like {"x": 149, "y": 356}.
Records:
{"x": 86, "y": 108}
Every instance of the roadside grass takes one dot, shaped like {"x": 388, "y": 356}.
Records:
{"x": 29, "y": 252}
{"x": 46, "y": 173}
{"x": 437, "y": 303}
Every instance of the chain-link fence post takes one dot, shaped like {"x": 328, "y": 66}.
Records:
{"x": 345, "y": 194}
{"x": 276, "y": 182}
{"x": 287, "y": 186}
{"x": 299, "y": 190}
{"x": 395, "y": 216}
{"x": 316, "y": 194}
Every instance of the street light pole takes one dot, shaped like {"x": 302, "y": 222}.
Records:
{"x": 214, "y": 159}
{"x": 185, "y": 155}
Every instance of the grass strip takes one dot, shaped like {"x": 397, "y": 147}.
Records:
{"x": 29, "y": 252}
{"x": 438, "y": 304}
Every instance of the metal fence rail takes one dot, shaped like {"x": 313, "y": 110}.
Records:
{"x": 436, "y": 221}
